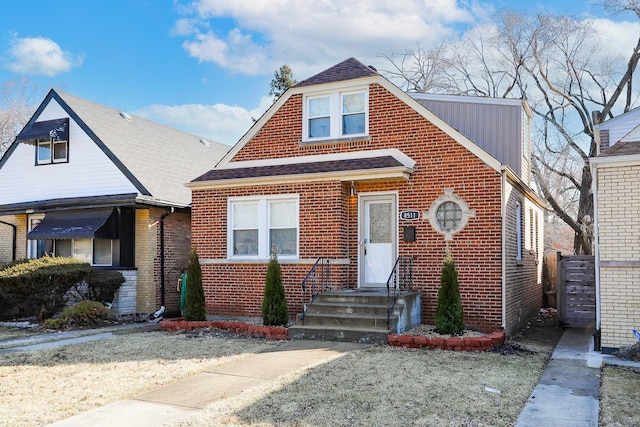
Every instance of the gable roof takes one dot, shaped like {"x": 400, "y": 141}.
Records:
{"x": 157, "y": 159}
{"x": 353, "y": 69}
{"x": 348, "y": 69}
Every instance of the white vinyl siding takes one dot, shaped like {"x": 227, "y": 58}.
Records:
{"x": 88, "y": 171}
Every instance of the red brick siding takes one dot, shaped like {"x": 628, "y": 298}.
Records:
{"x": 328, "y": 214}
{"x": 523, "y": 290}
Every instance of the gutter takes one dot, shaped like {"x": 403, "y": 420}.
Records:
{"x": 15, "y": 239}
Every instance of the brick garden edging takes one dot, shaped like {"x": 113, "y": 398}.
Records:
{"x": 482, "y": 343}
{"x": 246, "y": 329}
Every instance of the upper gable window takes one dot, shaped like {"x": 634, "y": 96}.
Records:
{"x": 51, "y": 151}
{"x": 336, "y": 115}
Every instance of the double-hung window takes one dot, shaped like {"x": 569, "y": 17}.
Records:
{"x": 336, "y": 115}
{"x": 261, "y": 225}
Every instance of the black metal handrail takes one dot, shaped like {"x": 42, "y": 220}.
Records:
{"x": 400, "y": 279}
{"x": 316, "y": 281}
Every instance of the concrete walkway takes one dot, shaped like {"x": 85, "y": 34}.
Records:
{"x": 184, "y": 398}
{"x": 57, "y": 339}
{"x": 568, "y": 393}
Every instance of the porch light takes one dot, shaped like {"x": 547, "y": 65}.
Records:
{"x": 352, "y": 190}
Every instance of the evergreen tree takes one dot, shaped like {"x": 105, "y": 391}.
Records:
{"x": 449, "y": 314}
{"x": 282, "y": 80}
{"x": 274, "y": 304}
{"x": 194, "y": 308}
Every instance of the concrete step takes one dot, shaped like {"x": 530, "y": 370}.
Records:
{"x": 324, "y": 307}
{"x": 321, "y": 333}
{"x": 346, "y": 320}
{"x": 356, "y": 297}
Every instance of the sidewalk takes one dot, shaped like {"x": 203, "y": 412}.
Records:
{"x": 56, "y": 339}
{"x": 568, "y": 393}
{"x": 184, "y": 398}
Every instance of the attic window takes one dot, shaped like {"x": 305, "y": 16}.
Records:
{"x": 125, "y": 116}
{"x": 336, "y": 115}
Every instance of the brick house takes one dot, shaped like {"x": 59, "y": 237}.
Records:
{"x": 616, "y": 177}
{"x": 346, "y": 167}
{"x": 90, "y": 182}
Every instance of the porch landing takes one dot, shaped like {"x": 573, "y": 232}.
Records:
{"x": 357, "y": 315}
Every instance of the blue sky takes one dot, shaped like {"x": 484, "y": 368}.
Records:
{"x": 204, "y": 66}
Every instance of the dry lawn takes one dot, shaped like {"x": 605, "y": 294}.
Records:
{"x": 377, "y": 386}
{"x": 620, "y": 396}
{"x": 390, "y": 386}
{"x": 39, "y": 387}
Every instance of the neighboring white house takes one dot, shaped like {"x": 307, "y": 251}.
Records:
{"x": 616, "y": 189}
{"x": 93, "y": 183}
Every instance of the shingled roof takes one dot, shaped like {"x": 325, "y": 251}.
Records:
{"x": 348, "y": 69}
{"x": 622, "y": 148}
{"x": 301, "y": 168}
{"x": 161, "y": 158}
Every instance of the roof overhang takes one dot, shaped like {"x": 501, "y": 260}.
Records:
{"x": 57, "y": 130}
{"x": 516, "y": 181}
{"x": 355, "y": 166}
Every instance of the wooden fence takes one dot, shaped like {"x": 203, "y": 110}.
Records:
{"x": 576, "y": 284}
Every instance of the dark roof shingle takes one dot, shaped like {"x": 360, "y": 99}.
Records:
{"x": 300, "y": 168}
{"x": 348, "y": 69}
{"x": 622, "y": 148}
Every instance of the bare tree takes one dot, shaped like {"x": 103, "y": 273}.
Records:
{"x": 17, "y": 104}
{"x": 557, "y": 64}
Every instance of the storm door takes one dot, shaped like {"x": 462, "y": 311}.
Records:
{"x": 378, "y": 238}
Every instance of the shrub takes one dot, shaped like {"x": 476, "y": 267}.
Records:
{"x": 101, "y": 285}
{"x": 194, "y": 308}
{"x": 37, "y": 287}
{"x": 449, "y": 314}
{"x": 274, "y": 304}
{"x": 84, "y": 313}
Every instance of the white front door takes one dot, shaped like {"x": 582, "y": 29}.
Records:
{"x": 378, "y": 234}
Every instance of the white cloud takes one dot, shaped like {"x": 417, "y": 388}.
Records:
{"x": 39, "y": 56}
{"x": 617, "y": 38}
{"x": 312, "y": 34}
{"x": 219, "y": 122}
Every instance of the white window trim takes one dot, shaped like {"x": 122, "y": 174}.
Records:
{"x": 335, "y": 114}
{"x": 32, "y": 244}
{"x": 264, "y": 252}
{"x": 51, "y": 143}
{"x": 92, "y": 263}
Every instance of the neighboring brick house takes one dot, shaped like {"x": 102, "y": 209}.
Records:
{"x": 616, "y": 184}
{"x": 90, "y": 182}
{"x": 347, "y": 166}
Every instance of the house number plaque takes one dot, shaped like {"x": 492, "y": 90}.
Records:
{"x": 409, "y": 215}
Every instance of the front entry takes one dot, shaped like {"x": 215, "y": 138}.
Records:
{"x": 377, "y": 238}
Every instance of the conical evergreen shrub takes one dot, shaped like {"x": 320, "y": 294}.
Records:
{"x": 449, "y": 314}
{"x": 274, "y": 304}
{"x": 194, "y": 308}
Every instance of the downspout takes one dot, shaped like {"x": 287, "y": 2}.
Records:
{"x": 503, "y": 207}
{"x": 162, "y": 282}
{"x": 15, "y": 239}
{"x": 596, "y": 237}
